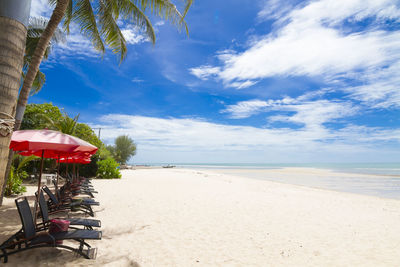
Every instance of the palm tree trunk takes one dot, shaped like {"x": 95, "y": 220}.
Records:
{"x": 12, "y": 48}
{"x": 55, "y": 19}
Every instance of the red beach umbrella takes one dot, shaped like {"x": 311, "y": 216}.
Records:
{"x": 75, "y": 160}
{"x": 49, "y": 144}
{"x": 52, "y": 142}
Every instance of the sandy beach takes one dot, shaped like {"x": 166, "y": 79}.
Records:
{"x": 182, "y": 217}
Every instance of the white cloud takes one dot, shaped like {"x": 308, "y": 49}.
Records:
{"x": 305, "y": 111}
{"x": 40, "y": 8}
{"x": 314, "y": 39}
{"x": 380, "y": 88}
{"x": 245, "y": 109}
{"x": 174, "y": 139}
{"x": 133, "y": 36}
{"x": 275, "y": 9}
{"x": 314, "y": 114}
{"x": 205, "y": 71}
{"x": 77, "y": 45}
{"x": 137, "y": 80}
{"x": 242, "y": 84}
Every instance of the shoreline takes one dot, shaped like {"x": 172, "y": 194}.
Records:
{"x": 325, "y": 179}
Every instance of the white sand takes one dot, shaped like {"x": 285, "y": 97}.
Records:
{"x": 177, "y": 217}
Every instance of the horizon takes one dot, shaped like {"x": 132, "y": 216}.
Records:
{"x": 268, "y": 81}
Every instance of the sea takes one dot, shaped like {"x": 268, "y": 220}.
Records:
{"x": 374, "y": 179}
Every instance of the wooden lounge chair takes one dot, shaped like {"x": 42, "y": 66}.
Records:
{"x": 86, "y": 223}
{"x": 29, "y": 238}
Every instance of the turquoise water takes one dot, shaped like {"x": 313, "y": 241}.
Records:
{"x": 381, "y": 179}
{"x": 362, "y": 168}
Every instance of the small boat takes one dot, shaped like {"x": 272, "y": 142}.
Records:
{"x": 169, "y": 166}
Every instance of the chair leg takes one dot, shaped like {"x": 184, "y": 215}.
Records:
{"x": 4, "y": 255}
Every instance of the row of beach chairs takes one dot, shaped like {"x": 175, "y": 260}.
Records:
{"x": 76, "y": 196}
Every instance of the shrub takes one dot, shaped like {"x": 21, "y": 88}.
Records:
{"x": 14, "y": 184}
{"x": 108, "y": 169}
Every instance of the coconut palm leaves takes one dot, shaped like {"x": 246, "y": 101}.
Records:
{"x": 35, "y": 29}
{"x": 98, "y": 19}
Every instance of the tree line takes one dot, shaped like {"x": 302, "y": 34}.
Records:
{"x": 105, "y": 163}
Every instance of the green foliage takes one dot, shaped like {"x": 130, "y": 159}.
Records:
{"x": 123, "y": 149}
{"x": 14, "y": 183}
{"x": 104, "y": 153}
{"x": 34, "y": 116}
{"x": 65, "y": 124}
{"x": 39, "y": 116}
{"x": 84, "y": 132}
{"x": 108, "y": 169}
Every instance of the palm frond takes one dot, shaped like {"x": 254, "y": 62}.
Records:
{"x": 52, "y": 2}
{"x": 38, "y": 24}
{"x": 68, "y": 16}
{"x": 65, "y": 124}
{"x": 38, "y": 83}
{"x": 130, "y": 11}
{"x": 188, "y": 4}
{"x": 83, "y": 15}
{"x": 110, "y": 30}
{"x": 165, "y": 9}
{"x": 24, "y": 161}
{"x": 49, "y": 122}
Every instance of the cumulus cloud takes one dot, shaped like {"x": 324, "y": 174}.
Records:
{"x": 304, "y": 110}
{"x": 316, "y": 39}
{"x": 163, "y": 138}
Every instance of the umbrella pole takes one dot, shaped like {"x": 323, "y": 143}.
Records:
{"x": 58, "y": 169}
{"x": 66, "y": 169}
{"x": 39, "y": 183}
{"x": 74, "y": 171}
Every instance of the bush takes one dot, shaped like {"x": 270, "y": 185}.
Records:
{"x": 108, "y": 169}
{"x": 14, "y": 184}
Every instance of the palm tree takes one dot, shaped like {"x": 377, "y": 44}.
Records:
{"x": 99, "y": 24}
{"x": 12, "y": 45}
{"x": 35, "y": 28}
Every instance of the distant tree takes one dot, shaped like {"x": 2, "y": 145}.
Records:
{"x": 123, "y": 149}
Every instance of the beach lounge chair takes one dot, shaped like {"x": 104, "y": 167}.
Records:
{"x": 65, "y": 198}
{"x": 29, "y": 238}
{"x": 64, "y": 194}
{"x": 86, "y": 223}
{"x": 54, "y": 204}
{"x": 68, "y": 190}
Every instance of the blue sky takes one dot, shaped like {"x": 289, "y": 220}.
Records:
{"x": 261, "y": 81}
